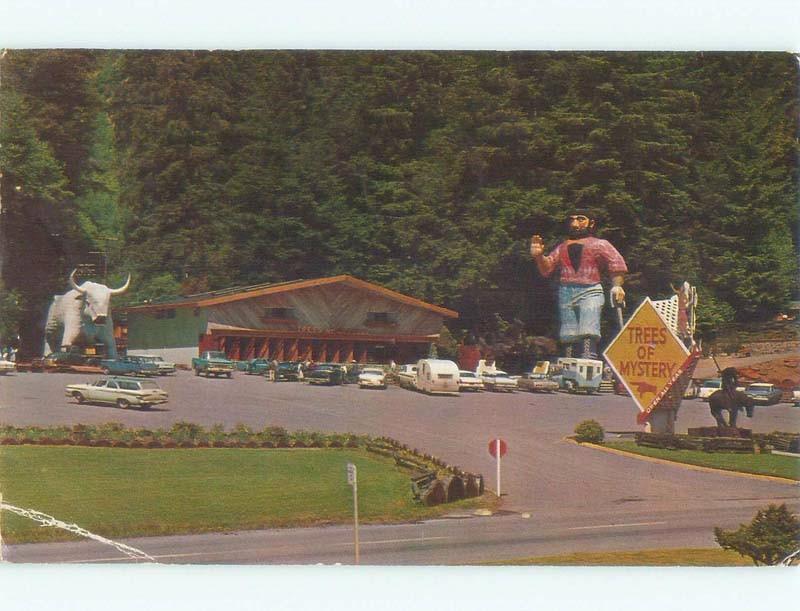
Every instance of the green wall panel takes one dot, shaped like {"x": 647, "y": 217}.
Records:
{"x": 146, "y": 332}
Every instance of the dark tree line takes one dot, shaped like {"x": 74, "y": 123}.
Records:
{"x": 423, "y": 171}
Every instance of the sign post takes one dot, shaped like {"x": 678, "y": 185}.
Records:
{"x": 654, "y": 365}
{"x": 352, "y": 479}
{"x": 498, "y": 448}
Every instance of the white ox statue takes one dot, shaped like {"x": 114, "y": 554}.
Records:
{"x": 82, "y": 316}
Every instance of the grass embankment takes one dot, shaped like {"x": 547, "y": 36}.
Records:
{"x": 760, "y": 464}
{"x": 658, "y": 557}
{"x": 120, "y": 492}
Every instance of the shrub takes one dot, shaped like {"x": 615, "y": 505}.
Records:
{"x": 590, "y": 431}
{"x": 217, "y": 434}
{"x": 242, "y": 433}
{"x": 772, "y": 535}
{"x": 185, "y": 431}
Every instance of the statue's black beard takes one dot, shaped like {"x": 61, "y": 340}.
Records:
{"x": 576, "y": 232}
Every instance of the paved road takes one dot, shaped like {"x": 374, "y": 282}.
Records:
{"x": 558, "y": 483}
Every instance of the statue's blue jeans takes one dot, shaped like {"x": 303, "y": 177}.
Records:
{"x": 580, "y": 307}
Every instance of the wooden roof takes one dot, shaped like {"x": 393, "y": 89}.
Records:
{"x": 260, "y": 290}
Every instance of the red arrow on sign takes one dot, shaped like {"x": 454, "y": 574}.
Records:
{"x": 493, "y": 447}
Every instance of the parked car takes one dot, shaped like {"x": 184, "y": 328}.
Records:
{"x": 498, "y": 381}
{"x": 407, "y": 376}
{"x": 469, "y": 380}
{"x": 120, "y": 391}
{"x": 164, "y": 367}
{"x": 372, "y": 377}
{"x": 692, "y": 390}
{"x": 258, "y": 367}
{"x": 289, "y": 371}
{"x": 536, "y": 382}
{"x": 63, "y": 360}
{"x": 128, "y": 365}
{"x": 212, "y": 362}
{"x": 351, "y": 372}
{"x": 7, "y": 367}
{"x": 796, "y": 397}
{"x": 328, "y": 374}
{"x": 708, "y": 388}
{"x": 145, "y": 362}
{"x": 764, "y": 394}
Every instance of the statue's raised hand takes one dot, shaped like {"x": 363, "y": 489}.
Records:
{"x": 537, "y": 246}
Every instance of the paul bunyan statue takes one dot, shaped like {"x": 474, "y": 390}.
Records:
{"x": 580, "y": 260}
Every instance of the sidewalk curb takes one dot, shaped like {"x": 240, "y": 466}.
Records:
{"x": 772, "y": 478}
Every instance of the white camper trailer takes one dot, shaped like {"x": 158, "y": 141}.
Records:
{"x": 437, "y": 376}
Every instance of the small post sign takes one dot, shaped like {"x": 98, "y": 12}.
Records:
{"x": 352, "y": 479}
{"x": 498, "y": 449}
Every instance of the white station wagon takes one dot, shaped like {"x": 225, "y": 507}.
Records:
{"x": 120, "y": 391}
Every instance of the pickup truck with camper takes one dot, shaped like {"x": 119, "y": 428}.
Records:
{"x": 579, "y": 375}
{"x": 212, "y": 362}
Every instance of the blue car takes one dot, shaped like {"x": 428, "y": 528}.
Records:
{"x": 129, "y": 365}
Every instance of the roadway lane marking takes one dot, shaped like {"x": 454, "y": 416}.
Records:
{"x": 246, "y": 550}
{"x": 616, "y": 525}
{"x": 392, "y": 541}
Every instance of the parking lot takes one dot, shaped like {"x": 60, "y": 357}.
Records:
{"x": 541, "y": 468}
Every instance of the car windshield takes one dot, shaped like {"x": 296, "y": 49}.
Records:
{"x": 148, "y": 384}
{"x": 373, "y": 371}
{"x": 466, "y": 374}
{"x": 217, "y": 355}
{"x": 712, "y": 384}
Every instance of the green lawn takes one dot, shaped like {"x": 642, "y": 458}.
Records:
{"x": 762, "y": 464}
{"x": 657, "y": 557}
{"x": 120, "y": 492}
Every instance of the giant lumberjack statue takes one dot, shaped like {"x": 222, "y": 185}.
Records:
{"x": 580, "y": 259}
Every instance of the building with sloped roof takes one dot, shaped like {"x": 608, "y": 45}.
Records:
{"x": 335, "y": 319}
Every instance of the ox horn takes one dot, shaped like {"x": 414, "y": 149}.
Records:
{"x": 73, "y": 284}
{"x": 123, "y": 288}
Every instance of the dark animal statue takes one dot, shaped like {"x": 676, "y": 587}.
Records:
{"x": 729, "y": 399}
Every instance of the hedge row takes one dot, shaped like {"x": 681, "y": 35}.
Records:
{"x": 764, "y": 442}
{"x": 181, "y": 435}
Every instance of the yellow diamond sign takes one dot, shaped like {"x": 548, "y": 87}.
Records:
{"x": 646, "y": 355}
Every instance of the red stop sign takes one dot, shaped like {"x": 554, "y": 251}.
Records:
{"x": 493, "y": 447}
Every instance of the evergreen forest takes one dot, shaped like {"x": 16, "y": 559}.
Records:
{"x": 426, "y": 172}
